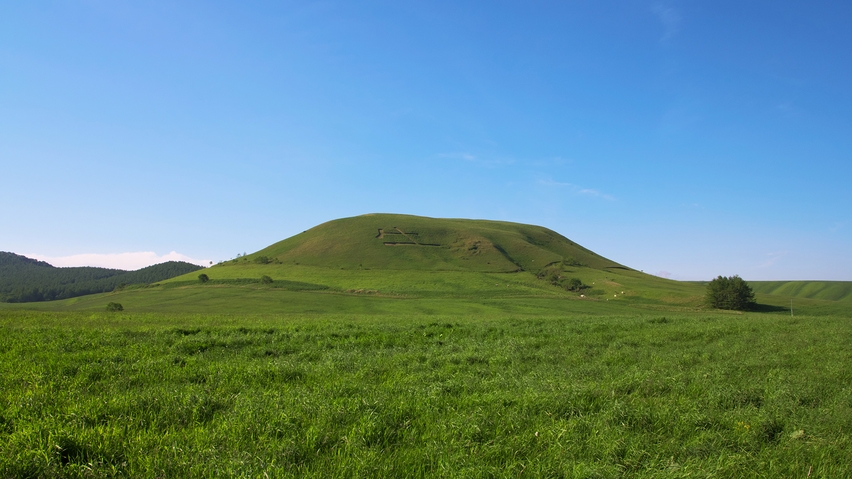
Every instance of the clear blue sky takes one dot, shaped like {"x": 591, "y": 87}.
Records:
{"x": 683, "y": 138}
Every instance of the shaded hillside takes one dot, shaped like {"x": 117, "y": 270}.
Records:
{"x": 826, "y": 290}
{"x": 24, "y": 279}
{"x": 403, "y": 242}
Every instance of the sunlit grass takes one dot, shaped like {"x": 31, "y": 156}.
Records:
{"x": 645, "y": 395}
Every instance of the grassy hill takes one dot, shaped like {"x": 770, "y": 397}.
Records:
{"x": 403, "y": 242}
{"x": 411, "y": 257}
{"x": 394, "y": 264}
{"x": 825, "y": 290}
{"x": 371, "y": 262}
{"x": 457, "y": 349}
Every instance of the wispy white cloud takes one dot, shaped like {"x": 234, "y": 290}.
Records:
{"x": 577, "y": 190}
{"x": 475, "y": 159}
{"x": 552, "y": 161}
{"x": 458, "y": 156}
{"x": 127, "y": 261}
{"x": 664, "y": 274}
{"x": 595, "y": 193}
{"x": 669, "y": 17}
{"x": 772, "y": 258}
{"x": 552, "y": 182}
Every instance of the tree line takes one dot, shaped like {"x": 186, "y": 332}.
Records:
{"x": 25, "y": 279}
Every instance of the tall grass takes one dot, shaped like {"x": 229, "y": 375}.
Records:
{"x": 100, "y": 395}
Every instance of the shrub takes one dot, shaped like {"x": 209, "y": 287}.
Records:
{"x": 730, "y": 293}
{"x": 574, "y": 284}
{"x": 262, "y": 260}
{"x": 552, "y": 275}
{"x": 265, "y": 279}
{"x": 114, "y": 307}
{"x": 203, "y": 278}
{"x": 571, "y": 261}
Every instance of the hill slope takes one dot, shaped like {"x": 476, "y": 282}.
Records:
{"x": 399, "y": 263}
{"x": 401, "y": 256}
{"x": 403, "y": 242}
{"x": 826, "y": 290}
{"x": 24, "y": 279}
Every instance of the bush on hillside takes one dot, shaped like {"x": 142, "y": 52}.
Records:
{"x": 552, "y": 275}
{"x": 571, "y": 261}
{"x": 265, "y": 279}
{"x": 203, "y": 278}
{"x": 114, "y": 307}
{"x": 730, "y": 293}
{"x": 574, "y": 284}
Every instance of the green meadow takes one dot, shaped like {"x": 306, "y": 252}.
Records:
{"x": 88, "y": 394}
{"x": 458, "y": 350}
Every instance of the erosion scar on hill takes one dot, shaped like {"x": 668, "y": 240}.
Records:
{"x": 409, "y": 236}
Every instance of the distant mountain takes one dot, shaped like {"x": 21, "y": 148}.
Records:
{"x": 25, "y": 279}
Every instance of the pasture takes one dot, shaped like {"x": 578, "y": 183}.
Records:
{"x": 523, "y": 393}
{"x": 399, "y": 346}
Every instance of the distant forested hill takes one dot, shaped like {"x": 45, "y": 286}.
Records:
{"x": 24, "y": 279}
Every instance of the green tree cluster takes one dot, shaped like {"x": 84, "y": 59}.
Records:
{"x": 730, "y": 293}
{"x": 24, "y": 279}
{"x": 114, "y": 307}
{"x": 574, "y": 284}
{"x": 554, "y": 276}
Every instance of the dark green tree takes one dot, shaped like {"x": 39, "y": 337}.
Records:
{"x": 265, "y": 279}
{"x": 23, "y": 279}
{"x": 114, "y": 307}
{"x": 574, "y": 284}
{"x": 203, "y": 278}
{"x": 730, "y": 293}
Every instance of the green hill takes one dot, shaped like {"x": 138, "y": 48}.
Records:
{"x": 24, "y": 279}
{"x": 825, "y": 290}
{"x": 402, "y": 242}
{"x": 396, "y": 263}
{"x": 412, "y": 257}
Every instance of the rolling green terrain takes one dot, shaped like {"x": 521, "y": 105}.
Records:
{"x": 417, "y": 258}
{"x": 458, "y": 349}
{"x": 827, "y": 290}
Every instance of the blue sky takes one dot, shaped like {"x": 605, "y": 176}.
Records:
{"x": 687, "y": 139}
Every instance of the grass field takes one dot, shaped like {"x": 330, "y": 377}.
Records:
{"x": 366, "y": 395}
{"x": 467, "y": 359}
